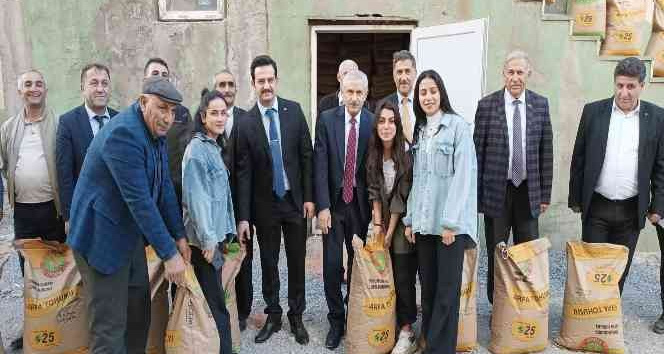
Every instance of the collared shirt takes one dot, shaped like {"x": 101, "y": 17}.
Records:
{"x": 32, "y": 182}
{"x": 411, "y": 112}
{"x": 266, "y": 125}
{"x": 444, "y": 191}
{"x": 347, "y": 127}
{"x": 94, "y": 124}
{"x": 509, "y": 114}
{"x": 229, "y": 123}
{"x": 618, "y": 179}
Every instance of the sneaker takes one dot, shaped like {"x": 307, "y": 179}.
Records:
{"x": 406, "y": 343}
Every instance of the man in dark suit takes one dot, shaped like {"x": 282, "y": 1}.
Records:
{"x": 513, "y": 141}
{"x": 618, "y": 160}
{"x": 274, "y": 174}
{"x": 341, "y": 196}
{"x": 335, "y": 98}
{"x": 77, "y": 128}
{"x": 404, "y": 72}
{"x": 224, "y": 82}
{"x": 180, "y": 133}
{"x": 124, "y": 200}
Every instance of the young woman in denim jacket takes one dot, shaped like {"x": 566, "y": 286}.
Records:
{"x": 207, "y": 206}
{"x": 441, "y": 218}
{"x": 389, "y": 177}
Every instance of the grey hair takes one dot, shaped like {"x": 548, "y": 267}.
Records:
{"x": 348, "y": 64}
{"x": 403, "y": 55}
{"x": 223, "y": 71}
{"x": 631, "y": 67}
{"x": 356, "y": 75}
{"x": 19, "y": 79}
{"x": 518, "y": 55}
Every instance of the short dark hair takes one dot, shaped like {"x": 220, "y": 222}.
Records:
{"x": 262, "y": 60}
{"x": 155, "y": 60}
{"x": 97, "y": 66}
{"x": 403, "y": 55}
{"x": 207, "y": 96}
{"x": 631, "y": 67}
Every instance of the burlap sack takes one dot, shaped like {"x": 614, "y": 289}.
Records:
{"x": 467, "y": 335}
{"x": 659, "y": 16}
{"x": 656, "y": 51}
{"x": 592, "y": 312}
{"x": 372, "y": 317}
{"x": 191, "y": 327}
{"x": 233, "y": 257}
{"x": 589, "y": 17}
{"x": 55, "y": 311}
{"x": 629, "y": 24}
{"x": 520, "y": 317}
{"x": 159, "y": 306}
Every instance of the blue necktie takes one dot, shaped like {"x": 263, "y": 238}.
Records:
{"x": 278, "y": 183}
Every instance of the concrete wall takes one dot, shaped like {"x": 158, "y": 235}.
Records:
{"x": 124, "y": 33}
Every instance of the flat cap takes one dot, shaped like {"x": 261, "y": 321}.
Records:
{"x": 160, "y": 86}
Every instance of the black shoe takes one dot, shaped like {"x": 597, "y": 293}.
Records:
{"x": 333, "y": 338}
{"x": 243, "y": 324}
{"x": 267, "y": 331}
{"x": 17, "y": 344}
{"x": 659, "y": 325}
{"x": 297, "y": 328}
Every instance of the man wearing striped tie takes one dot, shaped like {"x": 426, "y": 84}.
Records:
{"x": 513, "y": 141}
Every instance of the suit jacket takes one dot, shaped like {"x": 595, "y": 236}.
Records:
{"x": 229, "y": 154}
{"x": 329, "y": 159}
{"x": 71, "y": 144}
{"x": 590, "y": 149}
{"x": 119, "y": 197}
{"x": 328, "y": 101}
{"x": 254, "y": 162}
{"x": 391, "y": 98}
{"x": 492, "y": 147}
{"x": 177, "y": 139}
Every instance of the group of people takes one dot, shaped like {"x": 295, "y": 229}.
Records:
{"x": 110, "y": 183}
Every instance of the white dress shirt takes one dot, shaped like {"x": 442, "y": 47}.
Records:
{"x": 618, "y": 179}
{"x": 509, "y": 114}
{"x": 266, "y": 125}
{"x": 411, "y": 112}
{"x": 357, "y": 135}
{"x": 93, "y": 122}
{"x": 228, "y": 128}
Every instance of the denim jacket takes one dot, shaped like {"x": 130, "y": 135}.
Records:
{"x": 444, "y": 191}
{"x": 206, "y": 194}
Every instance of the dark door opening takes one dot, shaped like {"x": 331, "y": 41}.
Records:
{"x": 371, "y": 51}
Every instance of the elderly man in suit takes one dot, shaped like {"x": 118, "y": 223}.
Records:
{"x": 513, "y": 140}
{"x": 274, "y": 173}
{"x": 124, "y": 200}
{"x": 77, "y": 128}
{"x": 342, "y": 136}
{"x": 404, "y": 71}
{"x": 335, "y": 99}
{"x": 618, "y": 160}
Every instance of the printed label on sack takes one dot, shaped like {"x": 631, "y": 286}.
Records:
{"x": 526, "y": 300}
{"x": 593, "y": 252}
{"x": 524, "y": 330}
{"x": 594, "y": 344}
{"x": 70, "y": 312}
{"x": 54, "y": 264}
{"x": 598, "y": 309}
{"x": 44, "y": 338}
{"x": 380, "y": 336}
{"x": 603, "y": 276}
{"x": 585, "y": 19}
{"x": 172, "y": 339}
{"x": 379, "y": 306}
{"x": 623, "y": 36}
{"x": 39, "y": 307}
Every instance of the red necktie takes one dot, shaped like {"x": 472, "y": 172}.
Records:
{"x": 349, "y": 168}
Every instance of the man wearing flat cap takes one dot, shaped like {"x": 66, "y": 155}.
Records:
{"x": 124, "y": 200}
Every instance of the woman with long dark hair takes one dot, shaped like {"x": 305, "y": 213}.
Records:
{"x": 207, "y": 206}
{"x": 389, "y": 177}
{"x": 441, "y": 218}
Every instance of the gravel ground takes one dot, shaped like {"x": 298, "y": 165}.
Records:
{"x": 641, "y": 304}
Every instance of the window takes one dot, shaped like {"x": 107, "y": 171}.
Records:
{"x": 191, "y": 10}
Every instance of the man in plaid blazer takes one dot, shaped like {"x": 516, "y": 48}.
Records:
{"x": 514, "y": 185}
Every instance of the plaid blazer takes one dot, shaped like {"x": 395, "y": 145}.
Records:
{"x": 492, "y": 146}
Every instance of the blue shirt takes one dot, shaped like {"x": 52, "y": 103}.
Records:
{"x": 444, "y": 191}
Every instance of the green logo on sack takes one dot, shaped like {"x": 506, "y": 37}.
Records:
{"x": 54, "y": 264}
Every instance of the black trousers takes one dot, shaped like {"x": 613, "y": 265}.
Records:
{"x": 244, "y": 287}
{"x": 287, "y": 217}
{"x": 404, "y": 267}
{"x": 440, "y": 269}
{"x": 613, "y": 222}
{"x": 210, "y": 280}
{"x": 660, "y": 235}
{"x": 517, "y": 218}
{"x": 345, "y": 223}
{"x": 118, "y": 305}
{"x": 32, "y": 220}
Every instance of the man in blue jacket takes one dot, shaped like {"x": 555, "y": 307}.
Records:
{"x": 123, "y": 201}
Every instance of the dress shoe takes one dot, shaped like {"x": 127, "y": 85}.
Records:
{"x": 243, "y": 324}
{"x": 659, "y": 325}
{"x": 333, "y": 338}
{"x": 267, "y": 331}
{"x": 300, "y": 333}
{"x": 17, "y": 344}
